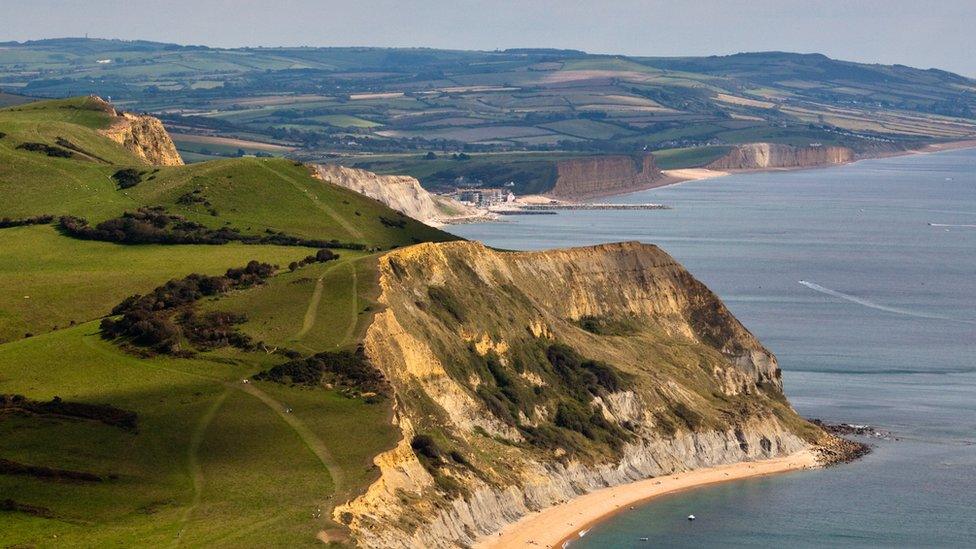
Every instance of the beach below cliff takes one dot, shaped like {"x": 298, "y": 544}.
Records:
{"x": 561, "y": 524}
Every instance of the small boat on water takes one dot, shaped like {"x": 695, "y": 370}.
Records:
{"x": 691, "y": 517}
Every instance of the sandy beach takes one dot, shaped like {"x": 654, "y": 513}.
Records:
{"x": 554, "y": 526}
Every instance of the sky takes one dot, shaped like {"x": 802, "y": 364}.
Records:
{"x": 919, "y": 33}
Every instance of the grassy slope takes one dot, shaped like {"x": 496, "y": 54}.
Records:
{"x": 211, "y": 464}
{"x": 48, "y": 280}
{"x": 215, "y": 462}
{"x": 249, "y": 193}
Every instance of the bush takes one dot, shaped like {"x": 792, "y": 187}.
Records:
{"x": 155, "y": 226}
{"x": 346, "y": 369}
{"x": 151, "y": 321}
{"x": 52, "y": 151}
{"x": 127, "y": 177}
{"x": 36, "y": 220}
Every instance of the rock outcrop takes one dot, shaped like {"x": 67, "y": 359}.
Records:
{"x": 402, "y": 193}
{"x": 142, "y": 135}
{"x": 754, "y": 156}
{"x": 521, "y": 380}
{"x": 590, "y": 177}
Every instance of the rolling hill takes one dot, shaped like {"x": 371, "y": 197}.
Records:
{"x": 510, "y": 111}
{"x": 236, "y": 353}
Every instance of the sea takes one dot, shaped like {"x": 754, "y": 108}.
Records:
{"x": 862, "y": 280}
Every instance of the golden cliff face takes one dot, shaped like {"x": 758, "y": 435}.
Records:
{"x": 603, "y": 176}
{"x": 525, "y": 379}
{"x": 142, "y": 135}
{"x": 774, "y": 155}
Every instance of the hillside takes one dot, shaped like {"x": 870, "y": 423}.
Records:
{"x": 352, "y": 100}
{"x": 239, "y": 353}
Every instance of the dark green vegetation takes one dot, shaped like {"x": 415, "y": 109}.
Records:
{"x": 322, "y": 101}
{"x": 127, "y": 327}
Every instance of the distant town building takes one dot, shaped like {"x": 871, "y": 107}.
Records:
{"x": 484, "y": 197}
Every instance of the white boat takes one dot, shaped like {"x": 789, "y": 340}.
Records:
{"x": 691, "y": 517}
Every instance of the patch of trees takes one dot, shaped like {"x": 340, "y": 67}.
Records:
{"x": 154, "y": 226}
{"x": 573, "y": 382}
{"x": 127, "y": 177}
{"x": 50, "y": 150}
{"x": 9, "y": 505}
{"x": 104, "y": 413}
{"x": 7, "y": 222}
{"x": 393, "y": 223}
{"x": 320, "y": 256}
{"x": 344, "y": 369}
{"x": 2, "y": 135}
{"x": 160, "y": 321}
{"x": 436, "y": 460}
{"x": 69, "y": 145}
{"x": 8, "y": 467}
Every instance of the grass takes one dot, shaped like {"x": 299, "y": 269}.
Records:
{"x": 690, "y": 157}
{"x": 210, "y": 463}
{"x": 322, "y": 306}
{"x": 49, "y": 280}
{"x": 251, "y": 194}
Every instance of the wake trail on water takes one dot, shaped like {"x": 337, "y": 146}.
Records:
{"x": 965, "y": 226}
{"x": 872, "y": 305}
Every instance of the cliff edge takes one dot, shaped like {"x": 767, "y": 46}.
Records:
{"x": 400, "y": 192}
{"x": 142, "y": 135}
{"x": 755, "y": 156}
{"x": 523, "y": 379}
{"x": 590, "y": 177}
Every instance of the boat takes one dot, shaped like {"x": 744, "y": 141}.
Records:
{"x": 691, "y": 517}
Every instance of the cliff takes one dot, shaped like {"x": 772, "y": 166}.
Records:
{"x": 773, "y": 155}
{"x": 521, "y": 380}
{"x": 595, "y": 176}
{"x": 400, "y": 192}
{"x": 142, "y": 135}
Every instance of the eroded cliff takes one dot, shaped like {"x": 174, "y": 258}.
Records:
{"x": 400, "y": 192}
{"x": 142, "y": 135}
{"x": 524, "y": 379}
{"x": 773, "y": 155}
{"x": 595, "y": 176}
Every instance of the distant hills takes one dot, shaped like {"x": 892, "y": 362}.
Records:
{"x": 316, "y": 102}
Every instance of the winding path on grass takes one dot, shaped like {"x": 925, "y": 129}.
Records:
{"x": 309, "y": 438}
{"x": 193, "y": 461}
{"x": 349, "y": 228}
{"x": 313, "y": 308}
{"x": 311, "y": 313}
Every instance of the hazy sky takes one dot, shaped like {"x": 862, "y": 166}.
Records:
{"x": 921, "y": 33}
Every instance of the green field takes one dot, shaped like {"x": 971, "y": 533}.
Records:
{"x": 213, "y": 461}
{"x": 694, "y": 157}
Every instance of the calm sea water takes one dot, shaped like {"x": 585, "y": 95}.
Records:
{"x": 883, "y": 332}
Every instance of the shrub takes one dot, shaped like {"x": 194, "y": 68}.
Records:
{"x": 36, "y": 220}
{"x": 346, "y": 369}
{"x": 52, "y": 151}
{"x": 151, "y": 321}
{"x": 155, "y": 226}
{"x": 127, "y": 177}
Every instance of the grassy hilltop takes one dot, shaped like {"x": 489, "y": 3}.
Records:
{"x": 207, "y": 459}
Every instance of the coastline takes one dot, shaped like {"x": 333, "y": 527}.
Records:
{"x": 558, "y": 525}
